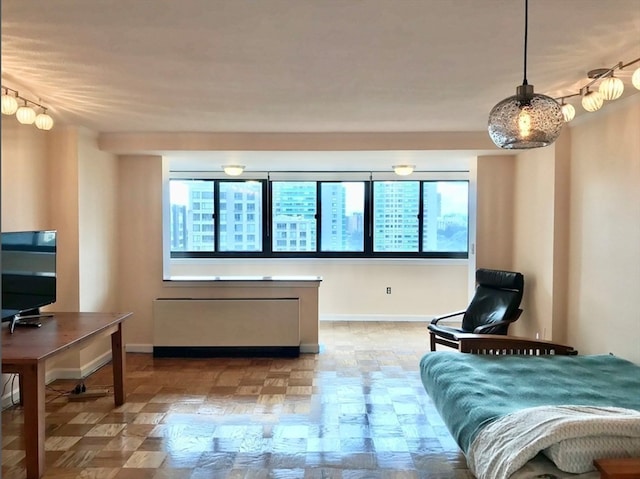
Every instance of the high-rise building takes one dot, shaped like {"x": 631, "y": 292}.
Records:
{"x": 395, "y": 220}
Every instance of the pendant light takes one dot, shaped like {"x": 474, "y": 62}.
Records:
{"x": 527, "y": 119}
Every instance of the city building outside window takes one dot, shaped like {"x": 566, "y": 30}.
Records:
{"x": 399, "y": 218}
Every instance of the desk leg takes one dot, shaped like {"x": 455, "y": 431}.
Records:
{"x": 118, "y": 355}
{"x": 34, "y": 420}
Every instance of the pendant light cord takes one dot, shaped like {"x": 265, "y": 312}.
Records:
{"x": 526, "y": 34}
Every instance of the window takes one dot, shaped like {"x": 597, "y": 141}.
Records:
{"x": 343, "y": 216}
{"x": 445, "y": 225}
{"x": 188, "y": 216}
{"x": 399, "y": 200}
{"x": 242, "y": 193}
{"x": 399, "y": 218}
{"x": 294, "y": 203}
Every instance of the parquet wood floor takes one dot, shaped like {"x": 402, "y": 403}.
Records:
{"x": 357, "y": 410}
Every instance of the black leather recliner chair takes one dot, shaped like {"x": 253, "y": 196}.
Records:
{"x": 495, "y": 305}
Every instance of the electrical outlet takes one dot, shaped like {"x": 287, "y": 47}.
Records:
{"x": 388, "y": 289}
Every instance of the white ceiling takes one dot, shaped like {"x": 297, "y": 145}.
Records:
{"x": 303, "y": 65}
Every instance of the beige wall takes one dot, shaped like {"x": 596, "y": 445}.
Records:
{"x": 604, "y": 261}
{"x": 576, "y": 234}
{"x": 62, "y": 161}
{"x": 97, "y": 234}
{"x": 533, "y": 238}
{"x": 494, "y": 216}
{"x": 25, "y": 184}
{"x": 140, "y": 242}
{"x": 353, "y": 289}
{"x": 60, "y": 180}
{"x": 568, "y": 216}
{"x": 349, "y": 288}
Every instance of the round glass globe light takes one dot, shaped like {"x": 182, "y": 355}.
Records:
{"x": 26, "y": 115}
{"x": 9, "y": 104}
{"x": 44, "y": 121}
{"x": 611, "y": 88}
{"x": 592, "y": 101}
{"x": 568, "y": 112}
{"x": 635, "y": 79}
{"x": 514, "y": 125}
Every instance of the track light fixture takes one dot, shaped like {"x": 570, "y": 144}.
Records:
{"x": 25, "y": 113}
{"x": 610, "y": 87}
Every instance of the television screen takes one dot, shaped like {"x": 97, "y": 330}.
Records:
{"x": 28, "y": 271}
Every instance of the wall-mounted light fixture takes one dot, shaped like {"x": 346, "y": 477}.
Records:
{"x": 403, "y": 170}
{"x": 25, "y": 113}
{"x": 233, "y": 170}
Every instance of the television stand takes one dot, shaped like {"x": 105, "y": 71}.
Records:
{"x": 28, "y": 321}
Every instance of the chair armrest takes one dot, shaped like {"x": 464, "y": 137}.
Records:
{"x": 450, "y": 315}
{"x": 500, "y": 344}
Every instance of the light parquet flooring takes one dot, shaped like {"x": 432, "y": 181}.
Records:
{"x": 357, "y": 410}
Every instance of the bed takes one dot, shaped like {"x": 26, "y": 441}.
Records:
{"x": 515, "y": 400}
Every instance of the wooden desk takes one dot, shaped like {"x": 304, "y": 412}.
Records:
{"x": 25, "y": 351}
{"x": 624, "y": 468}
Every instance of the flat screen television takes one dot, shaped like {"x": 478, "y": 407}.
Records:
{"x": 28, "y": 261}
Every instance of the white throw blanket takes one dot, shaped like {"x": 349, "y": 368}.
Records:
{"x": 505, "y": 445}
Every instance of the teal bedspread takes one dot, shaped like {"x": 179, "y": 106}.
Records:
{"x": 470, "y": 391}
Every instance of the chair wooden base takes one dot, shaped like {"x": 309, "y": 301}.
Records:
{"x": 510, "y": 345}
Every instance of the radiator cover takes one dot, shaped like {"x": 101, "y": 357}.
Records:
{"x": 226, "y": 327}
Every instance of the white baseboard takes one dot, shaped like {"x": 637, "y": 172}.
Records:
{"x": 78, "y": 373}
{"x": 376, "y": 317}
{"x": 139, "y": 348}
{"x": 59, "y": 373}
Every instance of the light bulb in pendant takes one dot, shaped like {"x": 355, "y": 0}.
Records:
{"x": 524, "y": 123}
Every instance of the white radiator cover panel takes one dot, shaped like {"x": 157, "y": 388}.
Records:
{"x": 226, "y": 322}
